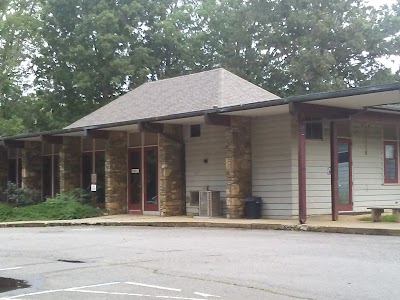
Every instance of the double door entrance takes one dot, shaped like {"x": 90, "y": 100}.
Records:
{"x": 143, "y": 179}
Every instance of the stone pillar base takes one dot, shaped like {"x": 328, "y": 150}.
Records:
{"x": 116, "y": 162}
{"x": 235, "y": 208}
{"x": 70, "y": 164}
{"x": 238, "y": 165}
{"x": 171, "y": 156}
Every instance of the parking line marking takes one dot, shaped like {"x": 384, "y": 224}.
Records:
{"x": 131, "y": 294}
{"x": 206, "y": 295}
{"x": 93, "y": 285}
{"x": 87, "y": 291}
{"x": 60, "y": 290}
{"x": 154, "y": 286}
{"x": 13, "y": 268}
{"x": 36, "y": 293}
{"x": 109, "y": 293}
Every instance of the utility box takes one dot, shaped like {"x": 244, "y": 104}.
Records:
{"x": 209, "y": 204}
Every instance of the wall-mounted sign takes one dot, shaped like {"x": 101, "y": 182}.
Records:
{"x": 93, "y": 188}
{"x": 135, "y": 171}
{"x": 93, "y": 179}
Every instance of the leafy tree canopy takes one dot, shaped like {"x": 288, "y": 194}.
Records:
{"x": 86, "y": 53}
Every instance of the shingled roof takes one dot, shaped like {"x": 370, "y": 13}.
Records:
{"x": 184, "y": 94}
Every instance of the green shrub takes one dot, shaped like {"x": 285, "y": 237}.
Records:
{"x": 20, "y": 196}
{"x": 78, "y": 195}
{"x": 5, "y": 211}
{"x": 62, "y": 207}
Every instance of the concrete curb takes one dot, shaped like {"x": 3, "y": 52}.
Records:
{"x": 252, "y": 226}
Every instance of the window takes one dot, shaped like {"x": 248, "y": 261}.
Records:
{"x": 314, "y": 131}
{"x": 391, "y": 162}
{"x": 195, "y": 130}
{"x": 194, "y": 198}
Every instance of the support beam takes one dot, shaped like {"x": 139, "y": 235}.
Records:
{"x": 218, "y": 120}
{"x": 151, "y": 127}
{"x": 315, "y": 111}
{"x": 301, "y": 140}
{"x": 334, "y": 171}
{"x": 378, "y": 118}
{"x": 14, "y": 144}
{"x": 52, "y": 139}
{"x": 160, "y": 129}
{"x": 97, "y": 134}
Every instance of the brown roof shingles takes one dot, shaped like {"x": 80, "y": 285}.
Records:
{"x": 183, "y": 94}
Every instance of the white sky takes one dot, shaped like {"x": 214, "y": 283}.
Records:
{"x": 380, "y": 2}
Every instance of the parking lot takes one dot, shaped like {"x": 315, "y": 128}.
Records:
{"x": 196, "y": 263}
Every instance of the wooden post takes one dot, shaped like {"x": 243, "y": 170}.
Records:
{"x": 302, "y": 170}
{"x": 334, "y": 171}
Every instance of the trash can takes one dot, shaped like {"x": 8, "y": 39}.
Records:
{"x": 252, "y": 207}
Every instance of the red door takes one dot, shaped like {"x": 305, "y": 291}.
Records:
{"x": 345, "y": 180}
{"x": 135, "y": 181}
{"x": 150, "y": 178}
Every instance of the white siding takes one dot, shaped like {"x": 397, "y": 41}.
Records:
{"x": 368, "y": 169}
{"x": 318, "y": 161}
{"x": 272, "y": 165}
{"x": 368, "y": 182}
{"x": 200, "y": 175}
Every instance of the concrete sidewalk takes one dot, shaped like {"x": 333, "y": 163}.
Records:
{"x": 346, "y": 224}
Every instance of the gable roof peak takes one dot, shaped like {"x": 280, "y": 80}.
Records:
{"x": 195, "y": 92}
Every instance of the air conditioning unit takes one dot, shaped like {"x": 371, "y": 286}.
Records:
{"x": 209, "y": 204}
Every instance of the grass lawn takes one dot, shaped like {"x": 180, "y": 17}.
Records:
{"x": 384, "y": 218}
{"x": 48, "y": 210}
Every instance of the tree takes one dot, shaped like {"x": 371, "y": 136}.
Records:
{"x": 18, "y": 27}
{"x": 88, "y": 52}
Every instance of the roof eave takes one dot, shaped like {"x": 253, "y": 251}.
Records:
{"x": 261, "y": 104}
{"x": 316, "y": 96}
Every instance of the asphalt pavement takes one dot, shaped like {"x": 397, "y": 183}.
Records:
{"x": 197, "y": 263}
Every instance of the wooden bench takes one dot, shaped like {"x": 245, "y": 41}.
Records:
{"x": 378, "y": 210}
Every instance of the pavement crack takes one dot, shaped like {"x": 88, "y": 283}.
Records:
{"x": 271, "y": 291}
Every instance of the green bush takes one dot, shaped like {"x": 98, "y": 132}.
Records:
{"x": 62, "y": 207}
{"x": 78, "y": 195}
{"x": 20, "y": 196}
{"x": 5, "y": 211}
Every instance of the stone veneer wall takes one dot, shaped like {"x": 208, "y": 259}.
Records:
{"x": 3, "y": 169}
{"x": 171, "y": 161}
{"x": 238, "y": 165}
{"x": 116, "y": 161}
{"x": 32, "y": 166}
{"x": 70, "y": 164}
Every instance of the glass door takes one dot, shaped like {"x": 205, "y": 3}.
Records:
{"x": 135, "y": 181}
{"x": 344, "y": 175}
{"x": 151, "y": 179}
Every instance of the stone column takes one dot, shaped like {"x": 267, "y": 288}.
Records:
{"x": 32, "y": 166}
{"x": 238, "y": 165}
{"x": 116, "y": 163}
{"x": 70, "y": 164}
{"x": 3, "y": 170}
{"x": 171, "y": 162}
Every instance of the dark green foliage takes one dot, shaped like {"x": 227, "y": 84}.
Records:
{"x": 20, "y": 196}
{"x": 62, "y": 207}
{"x": 88, "y": 52}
